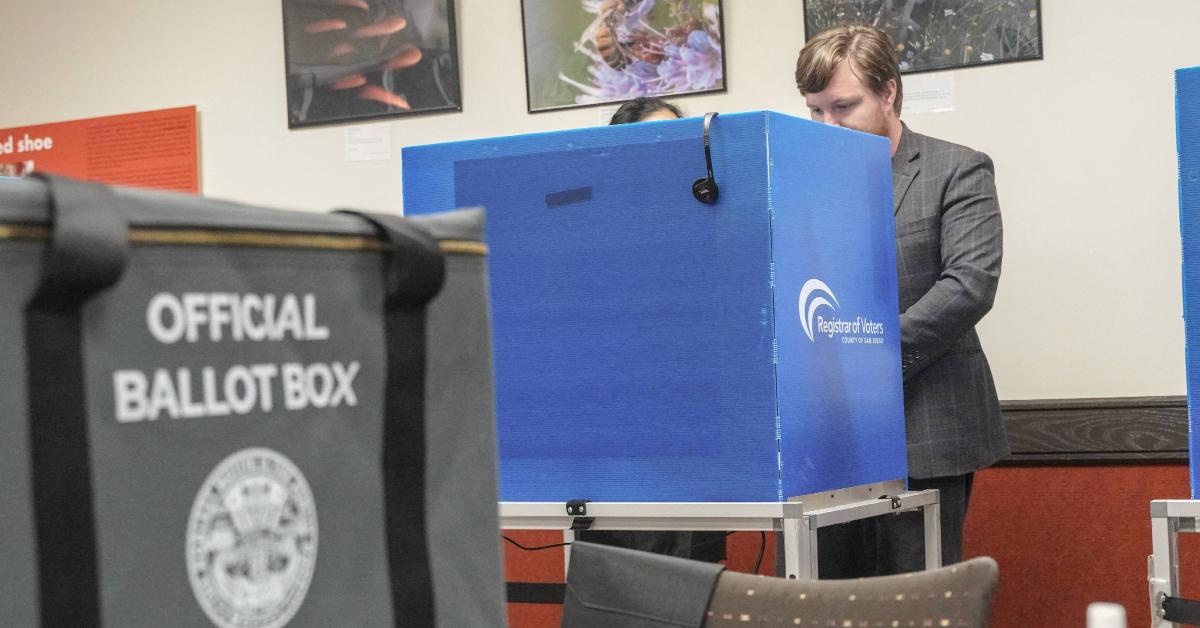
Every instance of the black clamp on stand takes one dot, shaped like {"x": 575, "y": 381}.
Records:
{"x": 1180, "y": 610}
{"x": 577, "y": 510}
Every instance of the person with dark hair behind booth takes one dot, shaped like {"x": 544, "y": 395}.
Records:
{"x": 707, "y": 546}
{"x": 645, "y": 109}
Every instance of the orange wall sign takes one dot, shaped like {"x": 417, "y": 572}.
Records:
{"x": 152, "y": 149}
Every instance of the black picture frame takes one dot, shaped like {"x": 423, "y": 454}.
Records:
{"x": 540, "y": 45}
{"x": 351, "y": 62}
{"x": 1010, "y": 32}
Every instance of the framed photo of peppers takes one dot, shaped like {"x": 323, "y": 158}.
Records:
{"x": 357, "y": 60}
{"x": 591, "y": 52}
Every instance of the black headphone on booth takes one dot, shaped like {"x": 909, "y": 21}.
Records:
{"x": 705, "y": 189}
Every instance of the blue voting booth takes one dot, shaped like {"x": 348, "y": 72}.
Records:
{"x": 650, "y": 347}
{"x": 1187, "y": 114}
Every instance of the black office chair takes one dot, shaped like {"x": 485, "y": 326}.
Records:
{"x": 610, "y": 587}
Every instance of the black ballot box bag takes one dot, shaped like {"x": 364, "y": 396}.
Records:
{"x": 219, "y": 415}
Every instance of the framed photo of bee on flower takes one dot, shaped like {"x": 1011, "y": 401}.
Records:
{"x": 940, "y": 34}
{"x": 355, "y": 60}
{"x": 591, "y": 52}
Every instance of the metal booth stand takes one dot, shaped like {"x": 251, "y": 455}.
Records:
{"x": 798, "y": 519}
{"x": 1169, "y": 517}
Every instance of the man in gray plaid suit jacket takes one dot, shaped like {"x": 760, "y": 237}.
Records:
{"x": 948, "y": 251}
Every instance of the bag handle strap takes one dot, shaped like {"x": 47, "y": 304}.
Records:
{"x": 414, "y": 273}
{"x": 87, "y": 254}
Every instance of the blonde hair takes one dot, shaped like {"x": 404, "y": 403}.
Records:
{"x": 870, "y": 51}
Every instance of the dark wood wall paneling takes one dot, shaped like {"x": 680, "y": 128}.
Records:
{"x": 1097, "y": 431}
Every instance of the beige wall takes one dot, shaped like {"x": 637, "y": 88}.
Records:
{"x": 1083, "y": 143}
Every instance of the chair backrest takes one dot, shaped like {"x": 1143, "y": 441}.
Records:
{"x": 615, "y": 587}
{"x": 958, "y": 596}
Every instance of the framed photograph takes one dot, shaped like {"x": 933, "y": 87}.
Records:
{"x": 940, "y": 34}
{"x": 591, "y": 52}
{"x": 358, "y": 60}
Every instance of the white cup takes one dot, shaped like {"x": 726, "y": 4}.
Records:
{"x": 1105, "y": 615}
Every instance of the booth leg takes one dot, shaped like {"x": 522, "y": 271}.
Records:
{"x": 1163, "y": 566}
{"x": 800, "y": 549}
{"x": 933, "y": 535}
{"x": 568, "y": 537}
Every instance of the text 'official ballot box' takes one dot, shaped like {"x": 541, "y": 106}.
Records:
{"x": 650, "y": 347}
{"x": 220, "y": 415}
{"x": 1187, "y": 114}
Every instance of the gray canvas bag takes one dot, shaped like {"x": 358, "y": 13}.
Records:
{"x": 212, "y": 414}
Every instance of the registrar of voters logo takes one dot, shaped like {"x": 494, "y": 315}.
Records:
{"x": 821, "y": 316}
{"x": 252, "y": 541}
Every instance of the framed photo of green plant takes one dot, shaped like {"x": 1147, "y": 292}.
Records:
{"x": 940, "y": 34}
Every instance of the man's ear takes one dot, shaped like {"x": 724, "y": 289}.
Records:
{"x": 889, "y": 93}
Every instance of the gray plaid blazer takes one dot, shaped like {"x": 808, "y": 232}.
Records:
{"x": 948, "y": 250}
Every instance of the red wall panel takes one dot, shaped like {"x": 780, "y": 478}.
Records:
{"x": 1067, "y": 536}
